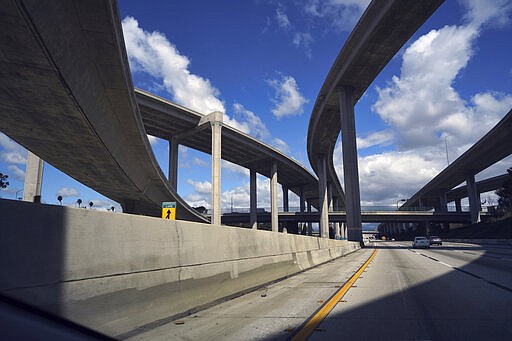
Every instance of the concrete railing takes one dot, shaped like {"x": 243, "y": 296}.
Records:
{"x": 117, "y": 272}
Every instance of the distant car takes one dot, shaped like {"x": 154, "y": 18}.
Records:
{"x": 420, "y": 242}
{"x": 435, "y": 240}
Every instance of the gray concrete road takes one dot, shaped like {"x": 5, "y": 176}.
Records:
{"x": 450, "y": 292}
{"x": 270, "y": 313}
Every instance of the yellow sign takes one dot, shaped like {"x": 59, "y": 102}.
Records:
{"x": 169, "y": 210}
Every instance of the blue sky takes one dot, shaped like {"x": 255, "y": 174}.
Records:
{"x": 263, "y": 64}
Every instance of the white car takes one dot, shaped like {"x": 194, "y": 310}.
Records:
{"x": 421, "y": 242}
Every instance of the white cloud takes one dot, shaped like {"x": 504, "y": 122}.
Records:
{"x": 288, "y": 99}
{"x": 66, "y": 192}
{"x": 422, "y": 106}
{"x": 196, "y": 200}
{"x": 204, "y": 187}
{"x": 282, "y": 18}
{"x": 234, "y": 168}
{"x": 241, "y": 195}
{"x": 12, "y": 152}
{"x": 280, "y": 145}
{"x": 16, "y": 173}
{"x": 387, "y": 177}
{"x": 151, "y": 52}
{"x": 379, "y": 138}
{"x": 341, "y": 14}
{"x": 251, "y": 123}
{"x": 493, "y": 12}
{"x": 395, "y": 175}
{"x": 304, "y": 39}
{"x": 200, "y": 162}
{"x": 102, "y": 205}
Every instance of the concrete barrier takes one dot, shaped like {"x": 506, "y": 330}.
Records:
{"x": 117, "y": 272}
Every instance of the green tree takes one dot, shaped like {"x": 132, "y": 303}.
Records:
{"x": 505, "y": 194}
{"x": 3, "y": 182}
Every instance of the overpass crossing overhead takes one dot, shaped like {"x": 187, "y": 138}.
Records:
{"x": 366, "y": 217}
{"x": 67, "y": 96}
{"x": 491, "y": 148}
{"x": 380, "y": 33}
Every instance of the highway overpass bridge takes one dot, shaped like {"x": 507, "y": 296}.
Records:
{"x": 366, "y": 217}
{"x": 66, "y": 94}
{"x": 382, "y": 30}
{"x": 100, "y": 138}
{"x": 491, "y": 148}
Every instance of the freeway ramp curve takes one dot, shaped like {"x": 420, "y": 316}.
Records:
{"x": 66, "y": 94}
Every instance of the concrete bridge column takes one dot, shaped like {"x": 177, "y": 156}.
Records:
{"x": 421, "y": 203}
{"x": 286, "y": 202}
{"x": 350, "y": 167}
{"x": 443, "y": 203}
{"x": 322, "y": 190}
{"x": 302, "y": 208}
{"x": 173, "y": 164}
{"x": 330, "y": 207}
{"x": 458, "y": 205}
{"x": 310, "y": 224}
{"x": 33, "y": 178}
{"x": 474, "y": 199}
{"x": 273, "y": 198}
{"x": 253, "y": 200}
{"x": 216, "y": 124}
{"x": 337, "y": 225}
{"x": 286, "y": 205}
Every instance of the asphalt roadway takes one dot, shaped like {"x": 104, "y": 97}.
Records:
{"x": 456, "y": 291}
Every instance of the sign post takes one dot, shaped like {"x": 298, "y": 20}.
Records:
{"x": 169, "y": 210}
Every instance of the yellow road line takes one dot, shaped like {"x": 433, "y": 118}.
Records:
{"x": 310, "y": 326}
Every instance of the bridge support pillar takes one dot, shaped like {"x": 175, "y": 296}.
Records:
{"x": 173, "y": 164}
{"x": 273, "y": 198}
{"x": 350, "y": 167}
{"x": 322, "y": 191}
{"x": 443, "y": 204}
{"x": 337, "y": 225}
{"x": 302, "y": 208}
{"x": 458, "y": 205}
{"x": 302, "y": 200}
{"x": 253, "y": 200}
{"x": 33, "y": 178}
{"x": 474, "y": 199}
{"x": 286, "y": 202}
{"x": 216, "y": 124}
{"x": 330, "y": 207}
{"x": 310, "y": 224}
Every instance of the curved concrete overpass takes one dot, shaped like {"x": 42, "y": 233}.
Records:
{"x": 491, "y": 148}
{"x": 68, "y": 97}
{"x": 179, "y": 125}
{"x": 382, "y": 30}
